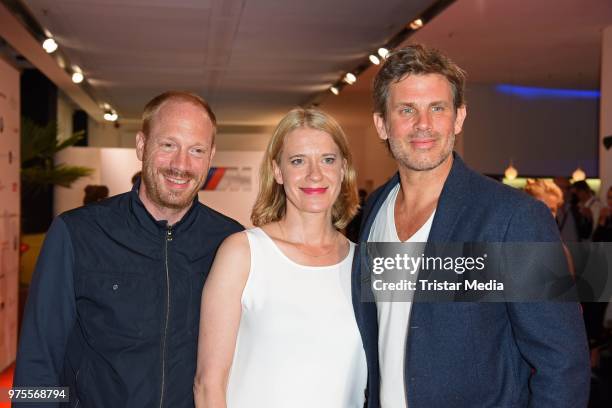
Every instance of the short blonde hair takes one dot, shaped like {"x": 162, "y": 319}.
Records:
{"x": 540, "y": 187}
{"x": 271, "y": 201}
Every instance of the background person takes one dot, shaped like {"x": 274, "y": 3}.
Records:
{"x": 603, "y": 231}
{"x": 277, "y": 322}
{"x": 588, "y": 208}
{"x": 565, "y": 214}
{"x": 550, "y": 194}
{"x": 94, "y": 193}
{"x": 547, "y": 192}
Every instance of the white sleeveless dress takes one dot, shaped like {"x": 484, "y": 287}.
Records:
{"x": 298, "y": 343}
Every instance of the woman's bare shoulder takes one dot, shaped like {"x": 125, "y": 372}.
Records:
{"x": 234, "y": 252}
{"x": 238, "y": 241}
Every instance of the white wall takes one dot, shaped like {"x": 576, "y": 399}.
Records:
{"x": 243, "y": 138}
{"x": 9, "y": 210}
{"x": 229, "y": 137}
{"x": 107, "y": 134}
{"x": 114, "y": 168}
{"x": 238, "y": 147}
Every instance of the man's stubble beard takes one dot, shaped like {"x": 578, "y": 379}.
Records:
{"x": 403, "y": 157}
{"x": 167, "y": 199}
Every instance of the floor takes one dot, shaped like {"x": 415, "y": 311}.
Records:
{"x": 6, "y": 381}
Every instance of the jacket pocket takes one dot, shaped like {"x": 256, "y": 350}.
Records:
{"x": 115, "y": 306}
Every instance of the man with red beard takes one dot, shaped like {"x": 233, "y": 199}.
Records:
{"x": 113, "y": 309}
{"x": 426, "y": 353}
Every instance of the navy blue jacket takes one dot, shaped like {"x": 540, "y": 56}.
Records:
{"x": 482, "y": 354}
{"x": 114, "y": 305}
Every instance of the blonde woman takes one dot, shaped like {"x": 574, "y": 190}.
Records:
{"x": 550, "y": 194}
{"x": 277, "y": 326}
{"x": 547, "y": 192}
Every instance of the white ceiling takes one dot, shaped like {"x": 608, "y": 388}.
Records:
{"x": 255, "y": 59}
{"x": 251, "y": 59}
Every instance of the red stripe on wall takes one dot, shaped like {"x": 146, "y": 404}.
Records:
{"x": 214, "y": 180}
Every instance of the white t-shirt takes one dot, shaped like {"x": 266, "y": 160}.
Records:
{"x": 393, "y": 316}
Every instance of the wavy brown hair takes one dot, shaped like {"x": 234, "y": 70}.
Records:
{"x": 416, "y": 59}
{"x": 271, "y": 201}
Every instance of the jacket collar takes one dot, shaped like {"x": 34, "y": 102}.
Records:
{"x": 146, "y": 220}
{"x": 451, "y": 203}
{"x": 379, "y": 199}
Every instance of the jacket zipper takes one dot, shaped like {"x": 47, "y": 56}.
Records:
{"x": 76, "y": 379}
{"x": 168, "y": 239}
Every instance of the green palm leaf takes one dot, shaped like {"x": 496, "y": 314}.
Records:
{"x": 39, "y": 145}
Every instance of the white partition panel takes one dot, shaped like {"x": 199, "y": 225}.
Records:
{"x": 231, "y": 187}
{"x": 232, "y": 184}
{"x": 9, "y": 211}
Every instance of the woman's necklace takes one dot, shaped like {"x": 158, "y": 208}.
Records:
{"x": 301, "y": 247}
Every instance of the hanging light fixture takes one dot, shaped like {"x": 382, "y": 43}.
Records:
{"x": 511, "y": 172}
{"x": 578, "y": 175}
{"x": 374, "y": 59}
{"x": 334, "y": 90}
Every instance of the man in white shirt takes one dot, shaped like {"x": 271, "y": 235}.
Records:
{"x": 452, "y": 354}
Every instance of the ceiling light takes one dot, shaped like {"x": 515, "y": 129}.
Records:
{"x": 350, "y": 78}
{"x": 374, "y": 59}
{"x": 511, "y": 172}
{"x": 111, "y": 116}
{"x": 49, "y": 45}
{"x": 334, "y": 90}
{"x": 416, "y": 24}
{"x": 578, "y": 175}
{"x": 383, "y": 52}
{"x": 77, "y": 77}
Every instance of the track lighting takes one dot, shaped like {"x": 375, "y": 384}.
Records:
{"x": 416, "y": 24}
{"x": 49, "y": 45}
{"x": 350, "y": 78}
{"x": 77, "y": 77}
{"x": 111, "y": 116}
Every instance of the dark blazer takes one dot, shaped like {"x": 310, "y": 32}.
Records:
{"x": 482, "y": 354}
